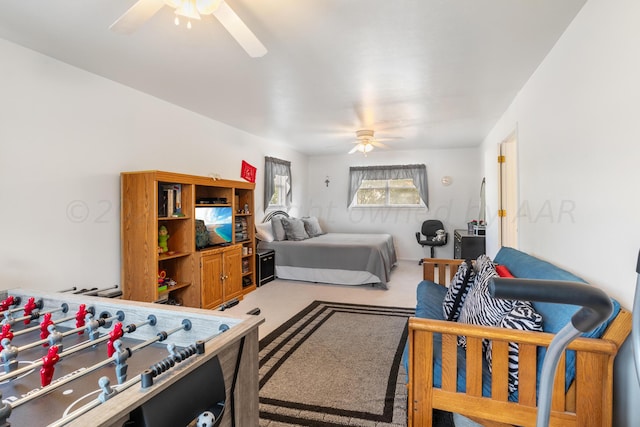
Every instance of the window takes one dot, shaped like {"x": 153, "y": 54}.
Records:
{"x": 279, "y": 191}
{"x": 400, "y": 186}
{"x": 277, "y": 183}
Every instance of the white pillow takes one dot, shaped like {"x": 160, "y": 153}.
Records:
{"x": 264, "y": 231}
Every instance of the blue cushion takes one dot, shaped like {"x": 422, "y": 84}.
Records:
{"x": 429, "y": 306}
{"x": 554, "y": 316}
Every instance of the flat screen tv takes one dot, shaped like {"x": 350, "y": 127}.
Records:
{"x": 219, "y": 222}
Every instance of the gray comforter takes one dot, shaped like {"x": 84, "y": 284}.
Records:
{"x": 374, "y": 253}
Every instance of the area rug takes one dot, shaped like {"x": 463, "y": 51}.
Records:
{"x": 335, "y": 364}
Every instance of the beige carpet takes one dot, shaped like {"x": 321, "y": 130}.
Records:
{"x": 335, "y": 364}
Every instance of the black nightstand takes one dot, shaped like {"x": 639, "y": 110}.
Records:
{"x": 467, "y": 245}
{"x": 266, "y": 266}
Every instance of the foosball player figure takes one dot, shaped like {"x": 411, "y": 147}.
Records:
{"x": 5, "y": 411}
{"x": 120, "y": 356}
{"x": 115, "y": 333}
{"x": 6, "y": 333}
{"x": 107, "y": 390}
{"x": 55, "y": 336}
{"x": 48, "y": 365}
{"x": 28, "y": 309}
{"x": 7, "y": 302}
{"x": 8, "y": 318}
{"x": 91, "y": 326}
{"x": 9, "y": 355}
{"x": 44, "y": 327}
{"x": 80, "y": 317}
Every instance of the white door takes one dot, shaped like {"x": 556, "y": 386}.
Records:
{"x": 508, "y": 191}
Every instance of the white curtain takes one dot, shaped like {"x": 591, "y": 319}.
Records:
{"x": 276, "y": 167}
{"x": 418, "y": 173}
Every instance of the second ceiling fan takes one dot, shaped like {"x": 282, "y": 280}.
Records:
{"x": 143, "y": 10}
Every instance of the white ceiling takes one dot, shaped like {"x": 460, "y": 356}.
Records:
{"x": 428, "y": 73}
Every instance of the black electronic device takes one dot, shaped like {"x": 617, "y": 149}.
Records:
{"x": 212, "y": 200}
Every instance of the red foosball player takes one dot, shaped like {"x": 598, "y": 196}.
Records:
{"x": 48, "y": 363}
{"x": 44, "y": 327}
{"x": 115, "y": 333}
{"x": 6, "y": 303}
{"x": 28, "y": 309}
{"x": 6, "y": 333}
{"x": 80, "y": 317}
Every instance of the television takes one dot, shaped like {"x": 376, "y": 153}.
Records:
{"x": 219, "y": 223}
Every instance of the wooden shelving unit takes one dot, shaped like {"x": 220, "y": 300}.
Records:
{"x": 203, "y": 278}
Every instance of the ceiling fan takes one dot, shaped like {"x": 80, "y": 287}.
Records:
{"x": 143, "y": 10}
{"x": 365, "y": 142}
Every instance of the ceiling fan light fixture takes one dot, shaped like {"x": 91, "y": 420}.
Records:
{"x": 188, "y": 9}
{"x": 207, "y": 7}
{"x": 364, "y": 147}
{"x": 365, "y": 134}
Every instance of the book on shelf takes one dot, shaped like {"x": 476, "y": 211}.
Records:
{"x": 171, "y": 200}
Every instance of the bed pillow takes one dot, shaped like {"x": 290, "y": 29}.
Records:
{"x": 264, "y": 231}
{"x": 525, "y": 318}
{"x": 457, "y": 291}
{"x": 294, "y": 229}
{"x": 312, "y": 226}
{"x": 278, "y": 229}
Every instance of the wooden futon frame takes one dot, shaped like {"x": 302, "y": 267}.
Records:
{"x": 589, "y": 399}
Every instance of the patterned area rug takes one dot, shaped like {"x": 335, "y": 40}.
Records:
{"x": 335, "y": 364}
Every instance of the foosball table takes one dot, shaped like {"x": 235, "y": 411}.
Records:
{"x": 79, "y": 360}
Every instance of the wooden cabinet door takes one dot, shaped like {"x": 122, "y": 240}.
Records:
{"x": 211, "y": 270}
{"x": 232, "y": 272}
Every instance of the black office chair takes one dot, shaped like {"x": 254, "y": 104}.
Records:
{"x": 429, "y": 230}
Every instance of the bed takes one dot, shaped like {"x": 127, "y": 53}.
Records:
{"x": 334, "y": 258}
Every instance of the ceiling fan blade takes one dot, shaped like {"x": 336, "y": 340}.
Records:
{"x": 137, "y": 15}
{"x": 239, "y": 30}
{"x": 379, "y": 144}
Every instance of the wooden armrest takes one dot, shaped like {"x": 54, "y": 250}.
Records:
{"x": 593, "y": 345}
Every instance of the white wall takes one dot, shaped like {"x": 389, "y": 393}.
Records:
{"x": 65, "y": 136}
{"x": 454, "y": 204}
{"x": 578, "y": 133}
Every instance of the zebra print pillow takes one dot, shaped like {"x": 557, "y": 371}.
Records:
{"x": 480, "y": 308}
{"x": 457, "y": 291}
{"x": 523, "y": 317}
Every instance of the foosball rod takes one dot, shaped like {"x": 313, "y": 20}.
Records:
{"x": 37, "y": 363}
{"x": 84, "y": 291}
{"x": 38, "y": 304}
{"x": 186, "y": 325}
{"x": 73, "y": 349}
{"x": 67, "y": 418}
{"x": 35, "y": 315}
{"x": 55, "y": 322}
{"x": 67, "y": 333}
{"x": 94, "y": 291}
